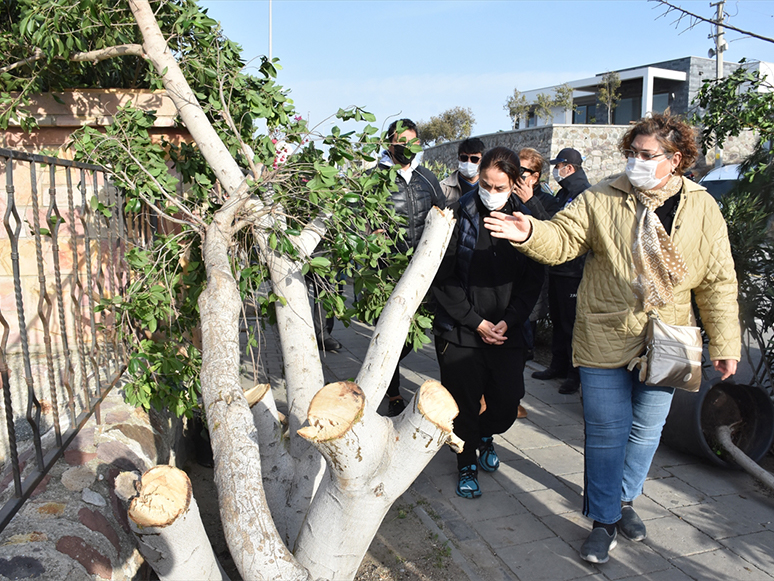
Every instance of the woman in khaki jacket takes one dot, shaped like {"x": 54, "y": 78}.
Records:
{"x": 638, "y": 262}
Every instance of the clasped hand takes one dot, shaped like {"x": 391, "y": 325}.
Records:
{"x": 492, "y": 334}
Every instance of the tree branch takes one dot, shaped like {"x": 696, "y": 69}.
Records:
{"x": 93, "y": 56}
{"x": 390, "y": 333}
{"x": 671, "y": 7}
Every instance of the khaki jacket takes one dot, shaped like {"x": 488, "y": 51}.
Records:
{"x": 610, "y": 323}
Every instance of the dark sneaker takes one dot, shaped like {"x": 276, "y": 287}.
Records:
{"x": 395, "y": 407}
{"x": 596, "y": 547}
{"x": 569, "y": 385}
{"x": 549, "y": 373}
{"x": 487, "y": 457}
{"x": 631, "y": 525}
{"x": 467, "y": 486}
{"x": 329, "y": 344}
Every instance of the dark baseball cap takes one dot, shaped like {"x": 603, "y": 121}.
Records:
{"x": 568, "y": 155}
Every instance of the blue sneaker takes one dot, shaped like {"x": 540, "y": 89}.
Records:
{"x": 467, "y": 487}
{"x": 487, "y": 457}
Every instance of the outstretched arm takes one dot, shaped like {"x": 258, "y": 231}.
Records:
{"x": 516, "y": 228}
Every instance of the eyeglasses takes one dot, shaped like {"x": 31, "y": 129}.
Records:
{"x": 523, "y": 170}
{"x": 473, "y": 158}
{"x": 644, "y": 155}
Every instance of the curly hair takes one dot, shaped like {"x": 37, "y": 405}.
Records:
{"x": 671, "y": 132}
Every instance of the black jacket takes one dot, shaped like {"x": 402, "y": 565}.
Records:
{"x": 572, "y": 186}
{"x": 413, "y": 201}
{"x": 482, "y": 277}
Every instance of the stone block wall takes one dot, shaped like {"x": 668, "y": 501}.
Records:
{"x": 598, "y": 144}
{"x": 75, "y": 525}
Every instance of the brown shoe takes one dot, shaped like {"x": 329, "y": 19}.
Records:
{"x": 522, "y": 413}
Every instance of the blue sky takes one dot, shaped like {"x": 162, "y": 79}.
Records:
{"x": 417, "y": 58}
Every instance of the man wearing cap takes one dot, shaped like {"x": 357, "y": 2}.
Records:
{"x": 564, "y": 279}
{"x": 465, "y": 178}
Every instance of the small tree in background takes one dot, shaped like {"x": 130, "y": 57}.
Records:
{"x": 608, "y": 93}
{"x": 452, "y": 124}
{"x": 563, "y": 97}
{"x": 517, "y": 108}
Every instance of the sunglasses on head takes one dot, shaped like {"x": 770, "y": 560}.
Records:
{"x": 473, "y": 158}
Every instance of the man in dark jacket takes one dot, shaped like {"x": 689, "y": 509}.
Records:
{"x": 564, "y": 279}
{"x": 416, "y": 191}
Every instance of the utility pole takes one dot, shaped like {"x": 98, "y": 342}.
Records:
{"x": 720, "y": 46}
{"x": 269, "y": 30}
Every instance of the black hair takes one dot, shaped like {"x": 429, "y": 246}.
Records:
{"x": 504, "y": 159}
{"x": 471, "y": 145}
{"x": 406, "y": 124}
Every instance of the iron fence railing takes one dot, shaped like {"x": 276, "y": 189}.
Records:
{"x": 61, "y": 253}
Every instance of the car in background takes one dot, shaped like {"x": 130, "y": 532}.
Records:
{"x": 720, "y": 180}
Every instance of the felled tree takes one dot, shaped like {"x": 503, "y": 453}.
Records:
{"x": 300, "y": 498}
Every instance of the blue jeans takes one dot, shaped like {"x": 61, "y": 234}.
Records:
{"x": 623, "y": 420}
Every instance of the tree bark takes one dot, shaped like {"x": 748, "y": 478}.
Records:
{"x": 390, "y": 333}
{"x": 166, "y": 521}
{"x": 371, "y": 462}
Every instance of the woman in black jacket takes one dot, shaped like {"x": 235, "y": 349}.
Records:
{"x": 485, "y": 291}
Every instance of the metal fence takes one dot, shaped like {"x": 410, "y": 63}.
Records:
{"x": 61, "y": 253}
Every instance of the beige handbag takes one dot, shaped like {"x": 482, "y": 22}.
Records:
{"x": 672, "y": 357}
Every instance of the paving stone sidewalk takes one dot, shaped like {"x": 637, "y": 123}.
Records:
{"x": 704, "y": 522}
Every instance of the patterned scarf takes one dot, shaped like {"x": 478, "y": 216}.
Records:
{"x": 658, "y": 265}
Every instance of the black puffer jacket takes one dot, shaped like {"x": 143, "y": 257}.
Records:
{"x": 481, "y": 277}
{"x": 572, "y": 186}
{"x": 413, "y": 201}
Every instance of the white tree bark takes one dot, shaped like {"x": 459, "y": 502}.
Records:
{"x": 390, "y": 333}
{"x": 166, "y": 521}
{"x": 371, "y": 462}
{"x": 257, "y": 549}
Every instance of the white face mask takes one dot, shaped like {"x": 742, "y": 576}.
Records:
{"x": 468, "y": 169}
{"x": 642, "y": 173}
{"x": 557, "y": 176}
{"x": 493, "y": 201}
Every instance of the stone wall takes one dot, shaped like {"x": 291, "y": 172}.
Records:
{"x": 598, "y": 144}
{"x": 74, "y": 526}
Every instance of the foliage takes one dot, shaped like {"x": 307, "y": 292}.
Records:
{"x": 306, "y": 175}
{"x": 517, "y": 107}
{"x": 440, "y": 169}
{"x": 452, "y": 124}
{"x": 731, "y": 105}
{"x": 545, "y": 103}
{"x": 563, "y": 97}
{"x": 608, "y": 93}
{"x": 742, "y": 100}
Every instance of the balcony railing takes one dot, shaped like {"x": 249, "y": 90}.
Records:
{"x": 61, "y": 252}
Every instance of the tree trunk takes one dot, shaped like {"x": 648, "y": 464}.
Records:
{"x": 166, "y": 521}
{"x": 372, "y": 461}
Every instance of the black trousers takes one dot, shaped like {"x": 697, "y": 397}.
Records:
{"x": 562, "y": 301}
{"x": 470, "y": 372}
